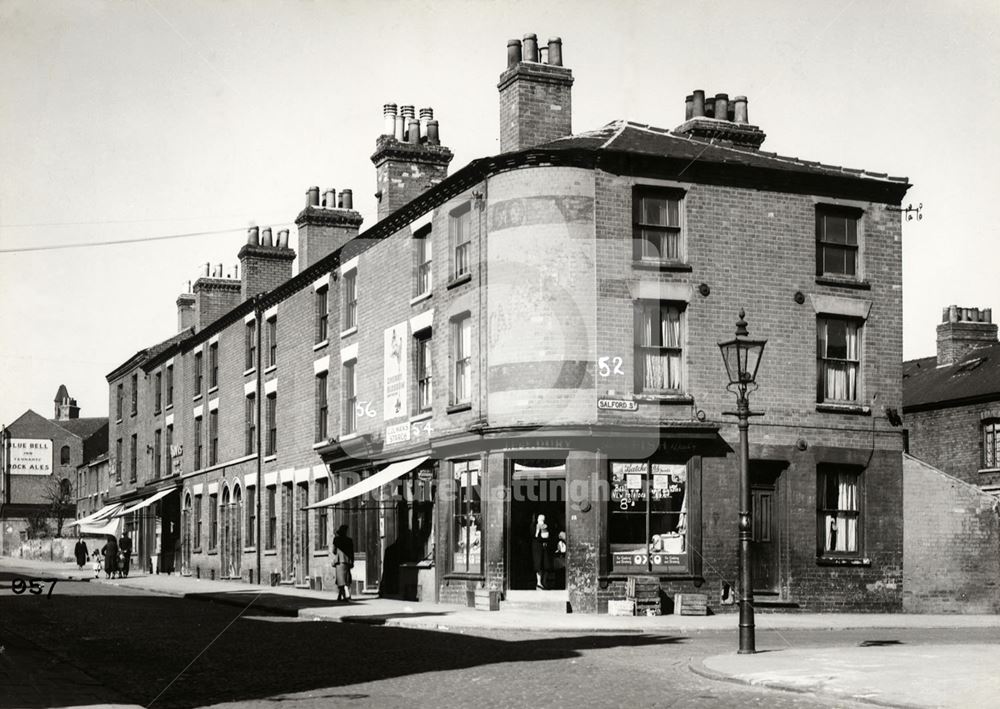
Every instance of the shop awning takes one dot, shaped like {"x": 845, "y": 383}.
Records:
{"x": 386, "y": 475}
{"x": 102, "y": 527}
{"x": 146, "y": 502}
{"x": 102, "y": 515}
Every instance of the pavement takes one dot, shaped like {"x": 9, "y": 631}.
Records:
{"x": 880, "y": 672}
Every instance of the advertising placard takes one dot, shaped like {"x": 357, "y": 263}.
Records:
{"x": 395, "y": 400}
{"x": 30, "y": 456}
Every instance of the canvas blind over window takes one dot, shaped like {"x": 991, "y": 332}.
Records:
{"x": 656, "y": 222}
{"x": 838, "y": 353}
{"x": 839, "y": 510}
{"x": 837, "y": 241}
{"x": 658, "y": 346}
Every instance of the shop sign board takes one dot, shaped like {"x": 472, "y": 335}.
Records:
{"x": 30, "y": 456}
{"x": 397, "y": 433}
{"x": 617, "y": 405}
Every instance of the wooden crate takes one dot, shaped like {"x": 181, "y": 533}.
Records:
{"x": 487, "y": 599}
{"x": 621, "y": 608}
{"x": 691, "y": 604}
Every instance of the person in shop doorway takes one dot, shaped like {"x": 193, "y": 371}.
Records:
{"x": 125, "y": 546}
{"x": 343, "y": 562}
{"x": 80, "y": 551}
{"x": 559, "y": 561}
{"x": 541, "y": 551}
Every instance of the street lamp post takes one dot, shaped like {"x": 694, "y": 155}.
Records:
{"x": 742, "y": 356}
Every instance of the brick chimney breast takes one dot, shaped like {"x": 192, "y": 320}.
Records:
{"x": 719, "y": 120}
{"x": 535, "y": 97}
{"x": 186, "y": 315}
{"x": 214, "y": 297}
{"x": 264, "y": 268}
{"x": 963, "y": 330}
{"x": 324, "y": 229}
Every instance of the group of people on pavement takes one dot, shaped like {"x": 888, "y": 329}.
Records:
{"x": 114, "y": 558}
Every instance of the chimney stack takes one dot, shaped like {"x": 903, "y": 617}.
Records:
{"x": 266, "y": 262}
{"x": 323, "y": 230}
{"x": 535, "y": 105}
{"x": 719, "y": 120}
{"x": 66, "y": 407}
{"x": 186, "y": 315}
{"x": 409, "y": 161}
{"x": 963, "y": 330}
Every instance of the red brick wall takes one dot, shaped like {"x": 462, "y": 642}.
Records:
{"x": 950, "y": 439}
{"x": 535, "y": 105}
{"x": 951, "y": 543}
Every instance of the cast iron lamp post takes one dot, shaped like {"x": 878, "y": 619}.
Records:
{"x": 741, "y": 355}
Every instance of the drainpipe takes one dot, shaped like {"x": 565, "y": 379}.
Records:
{"x": 258, "y": 399}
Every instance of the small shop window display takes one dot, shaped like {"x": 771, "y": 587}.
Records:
{"x": 648, "y": 517}
{"x": 467, "y": 524}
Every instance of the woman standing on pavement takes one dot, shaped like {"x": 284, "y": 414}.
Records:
{"x": 110, "y": 552}
{"x": 81, "y": 552}
{"x": 343, "y": 562}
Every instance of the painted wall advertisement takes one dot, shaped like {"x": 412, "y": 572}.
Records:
{"x": 395, "y": 403}
{"x": 30, "y": 456}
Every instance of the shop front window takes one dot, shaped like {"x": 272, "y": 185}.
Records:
{"x": 467, "y": 519}
{"x": 648, "y": 517}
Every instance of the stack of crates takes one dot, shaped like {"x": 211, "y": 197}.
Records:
{"x": 644, "y": 591}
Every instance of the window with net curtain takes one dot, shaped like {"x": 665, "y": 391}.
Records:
{"x": 991, "y": 443}
{"x": 838, "y": 354}
{"x": 656, "y": 224}
{"x": 839, "y": 510}
{"x": 659, "y": 341}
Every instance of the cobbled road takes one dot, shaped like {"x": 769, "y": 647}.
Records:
{"x": 92, "y": 643}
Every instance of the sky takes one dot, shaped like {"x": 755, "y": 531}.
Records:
{"x": 146, "y": 118}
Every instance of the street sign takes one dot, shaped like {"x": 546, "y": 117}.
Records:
{"x": 617, "y": 405}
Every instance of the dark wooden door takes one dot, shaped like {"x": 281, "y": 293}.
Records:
{"x": 764, "y": 550}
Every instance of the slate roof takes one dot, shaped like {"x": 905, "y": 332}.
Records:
{"x": 144, "y": 356}
{"x": 84, "y": 427}
{"x": 638, "y": 138}
{"x": 976, "y": 377}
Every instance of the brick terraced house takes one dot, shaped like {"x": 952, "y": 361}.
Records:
{"x": 536, "y": 334}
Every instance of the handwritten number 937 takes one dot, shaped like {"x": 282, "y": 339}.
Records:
{"x": 32, "y": 586}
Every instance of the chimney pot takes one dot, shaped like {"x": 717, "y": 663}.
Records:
{"x": 952, "y": 313}
{"x": 722, "y": 106}
{"x": 555, "y": 51}
{"x": 530, "y": 48}
{"x": 347, "y": 199}
{"x": 710, "y": 107}
{"x": 988, "y": 315}
{"x": 312, "y": 196}
{"x": 698, "y": 107}
{"x": 688, "y": 107}
{"x": 266, "y": 239}
{"x": 513, "y": 52}
{"x": 253, "y": 236}
{"x": 413, "y": 131}
{"x": 220, "y": 270}
{"x": 426, "y": 114}
{"x": 740, "y": 110}
{"x": 388, "y": 119}
{"x": 407, "y": 112}
{"x": 283, "y": 239}
{"x": 433, "y": 136}
{"x": 236, "y": 271}
{"x": 329, "y": 198}
{"x": 399, "y": 128}
{"x": 208, "y": 270}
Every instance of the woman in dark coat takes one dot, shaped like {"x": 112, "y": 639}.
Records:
{"x": 110, "y": 552}
{"x": 81, "y": 552}
{"x": 343, "y": 562}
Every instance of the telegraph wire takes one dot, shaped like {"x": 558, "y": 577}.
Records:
{"x": 136, "y": 240}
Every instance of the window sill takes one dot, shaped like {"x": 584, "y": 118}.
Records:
{"x": 196, "y": 551}
{"x": 665, "y": 398}
{"x": 320, "y": 554}
{"x": 852, "y": 409}
{"x": 349, "y": 436}
{"x": 213, "y": 552}
{"x": 270, "y": 369}
{"x": 249, "y": 549}
{"x": 320, "y": 444}
{"x": 196, "y": 397}
{"x": 157, "y": 412}
{"x": 843, "y": 282}
{"x": 422, "y": 416}
{"x": 348, "y": 332}
{"x": 459, "y": 280}
{"x": 270, "y": 552}
{"x": 987, "y": 471}
{"x": 464, "y": 576}
{"x": 843, "y": 561}
{"x": 212, "y": 390}
{"x": 270, "y": 458}
{"x": 420, "y": 298}
{"x": 321, "y": 345}
{"x": 668, "y": 266}
{"x": 250, "y": 371}
{"x": 456, "y": 408}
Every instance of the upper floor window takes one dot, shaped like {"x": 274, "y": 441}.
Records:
{"x": 213, "y": 521}
{"x": 213, "y": 436}
{"x": 322, "y": 410}
{"x": 991, "y": 443}
{"x": 422, "y": 364}
{"x": 133, "y": 468}
{"x": 272, "y": 341}
{"x": 157, "y": 453}
{"x": 460, "y": 237}
{"x": 656, "y": 224}
{"x": 461, "y": 334}
{"x": 658, "y": 346}
{"x": 422, "y": 263}
{"x": 350, "y": 297}
{"x": 838, "y": 359}
{"x": 250, "y": 345}
{"x": 158, "y": 392}
{"x": 272, "y": 424}
{"x": 250, "y": 443}
{"x": 170, "y": 385}
{"x": 198, "y": 445}
{"x": 838, "y": 510}
{"x": 135, "y": 393}
{"x": 198, "y": 372}
{"x": 322, "y": 313}
{"x": 350, "y": 389}
{"x": 213, "y": 365}
{"x": 119, "y": 462}
{"x": 64, "y": 455}
{"x": 837, "y": 241}
{"x": 119, "y": 399}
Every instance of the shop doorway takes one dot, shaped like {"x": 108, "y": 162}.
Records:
{"x": 766, "y": 516}
{"x": 287, "y": 540}
{"x": 537, "y": 488}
